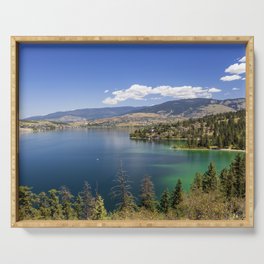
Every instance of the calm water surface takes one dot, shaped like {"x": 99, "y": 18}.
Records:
{"x": 69, "y": 157}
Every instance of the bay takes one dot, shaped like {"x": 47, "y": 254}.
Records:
{"x": 69, "y": 157}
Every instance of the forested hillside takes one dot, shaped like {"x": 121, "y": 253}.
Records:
{"x": 226, "y": 130}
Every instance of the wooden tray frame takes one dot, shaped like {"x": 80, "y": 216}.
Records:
{"x": 247, "y": 40}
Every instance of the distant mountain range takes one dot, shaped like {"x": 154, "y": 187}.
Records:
{"x": 86, "y": 114}
{"x": 185, "y": 108}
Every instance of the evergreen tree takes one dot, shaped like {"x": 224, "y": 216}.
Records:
{"x": 147, "y": 194}
{"x": 210, "y": 178}
{"x": 44, "y": 206}
{"x": 203, "y": 202}
{"x": 78, "y": 207}
{"x": 27, "y": 200}
{"x": 66, "y": 202}
{"x": 197, "y": 182}
{"x": 238, "y": 169}
{"x": 98, "y": 210}
{"x": 226, "y": 183}
{"x": 87, "y": 200}
{"x": 177, "y": 195}
{"x": 165, "y": 201}
{"x": 201, "y": 142}
{"x": 121, "y": 191}
{"x": 221, "y": 130}
{"x": 219, "y": 141}
{"x": 54, "y": 204}
{"x": 207, "y": 144}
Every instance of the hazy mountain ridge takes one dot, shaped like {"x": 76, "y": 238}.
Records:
{"x": 195, "y": 107}
{"x": 184, "y": 108}
{"x": 86, "y": 114}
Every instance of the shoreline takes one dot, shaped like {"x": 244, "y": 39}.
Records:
{"x": 205, "y": 149}
{"x": 185, "y": 148}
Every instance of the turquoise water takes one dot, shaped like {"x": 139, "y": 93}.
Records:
{"x": 69, "y": 157}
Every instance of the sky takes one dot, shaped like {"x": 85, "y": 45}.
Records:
{"x": 60, "y": 77}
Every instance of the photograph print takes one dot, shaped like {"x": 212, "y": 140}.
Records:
{"x": 132, "y": 132}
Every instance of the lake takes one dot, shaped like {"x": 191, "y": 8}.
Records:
{"x": 69, "y": 157}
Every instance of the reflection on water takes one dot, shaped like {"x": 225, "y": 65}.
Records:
{"x": 69, "y": 157}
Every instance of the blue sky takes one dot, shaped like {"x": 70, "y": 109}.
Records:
{"x": 58, "y": 77}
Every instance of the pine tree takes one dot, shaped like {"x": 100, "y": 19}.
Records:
{"x": 44, "y": 206}
{"x": 238, "y": 168}
{"x": 147, "y": 194}
{"x": 54, "y": 204}
{"x": 177, "y": 195}
{"x": 201, "y": 142}
{"x": 210, "y": 178}
{"x": 219, "y": 141}
{"x": 98, "y": 210}
{"x": 87, "y": 200}
{"x": 66, "y": 202}
{"x": 207, "y": 143}
{"x": 226, "y": 183}
{"x": 78, "y": 207}
{"x": 165, "y": 201}
{"x": 121, "y": 191}
{"x": 197, "y": 182}
{"x": 27, "y": 200}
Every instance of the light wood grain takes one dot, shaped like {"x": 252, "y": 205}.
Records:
{"x": 132, "y": 39}
{"x": 14, "y": 132}
{"x": 247, "y": 40}
{"x": 250, "y": 132}
{"x": 131, "y": 223}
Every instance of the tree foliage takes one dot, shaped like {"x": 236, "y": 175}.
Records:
{"x": 197, "y": 182}
{"x": 225, "y": 130}
{"x": 165, "y": 201}
{"x": 209, "y": 180}
{"x": 177, "y": 195}
{"x": 232, "y": 180}
{"x": 66, "y": 203}
{"x": 98, "y": 210}
{"x": 55, "y": 205}
{"x": 121, "y": 191}
{"x": 27, "y": 200}
{"x": 86, "y": 201}
{"x": 147, "y": 194}
{"x": 211, "y": 196}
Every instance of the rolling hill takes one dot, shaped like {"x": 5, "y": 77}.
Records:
{"x": 86, "y": 114}
{"x": 195, "y": 107}
{"x": 185, "y": 108}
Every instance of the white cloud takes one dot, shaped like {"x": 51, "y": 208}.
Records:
{"x": 243, "y": 59}
{"x": 106, "y": 91}
{"x": 243, "y": 78}
{"x": 138, "y": 92}
{"x": 237, "y": 68}
{"x": 229, "y": 78}
{"x": 235, "y": 89}
{"x": 214, "y": 90}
